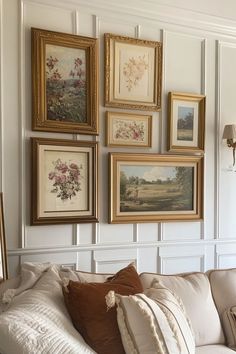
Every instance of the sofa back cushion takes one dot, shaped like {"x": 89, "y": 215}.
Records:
{"x": 223, "y": 286}
{"x": 195, "y": 292}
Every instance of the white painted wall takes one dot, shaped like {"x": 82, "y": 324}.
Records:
{"x": 199, "y": 56}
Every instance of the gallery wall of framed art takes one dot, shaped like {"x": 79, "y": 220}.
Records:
{"x": 142, "y": 187}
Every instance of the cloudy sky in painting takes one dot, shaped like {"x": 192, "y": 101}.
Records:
{"x": 149, "y": 173}
{"x": 66, "y": 57}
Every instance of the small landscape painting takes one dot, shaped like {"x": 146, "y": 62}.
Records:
{"x": 147, "y": 188}
{"x": 66, "y": 84}
{"x": 185, "y": 123}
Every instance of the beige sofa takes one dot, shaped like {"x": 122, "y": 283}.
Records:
{"x": 209, "y": 300}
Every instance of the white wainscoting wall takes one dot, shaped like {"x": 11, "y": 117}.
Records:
{"x": 199, "y": 56}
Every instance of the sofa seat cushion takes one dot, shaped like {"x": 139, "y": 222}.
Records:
{"x": 214, "y": 349}
{"x": 195, "y": 293}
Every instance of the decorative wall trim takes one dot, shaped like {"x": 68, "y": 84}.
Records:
{"x": 137, "y": 31}
{"x": 135, "y": 233}
{"x": 96, "y": 21}
{"x": 75, "y": 15}
{"x": 1, "y": 96}
{"x": 22, "y": 149}
{"x": 112, "y": 262}
{"x": 201, "y": 258}
{"x": 152, "y": 12}
{"x": 217, "y": 141}
{"x": 115, "y": 246}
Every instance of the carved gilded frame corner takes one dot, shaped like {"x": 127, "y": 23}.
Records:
{"x": 3, "y": 252}
{"x": 64, "y": 91}
{"x": 133, "y": 73}
{"x": 155, "y": 188}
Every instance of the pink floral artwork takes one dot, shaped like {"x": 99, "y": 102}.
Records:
{"x": 66, "y": 178}
{"x": 130, "y": 130}
{"x": 134, "y": 70}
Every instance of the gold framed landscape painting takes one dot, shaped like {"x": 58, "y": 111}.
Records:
{"x": 64, "y": 82}
{"x": 153, "y": 188}
{"x": 64, "y": 181}
{"x": 186, "y": 122}
{"x": 133, "y": 73}
{"x": 128, "y": 130}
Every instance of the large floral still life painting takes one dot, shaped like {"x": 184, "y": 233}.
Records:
{"x": 64, "y": 82}
{"x": 64, "y": 181}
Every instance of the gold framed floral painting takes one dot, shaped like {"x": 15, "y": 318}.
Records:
{"x": 186, "y": 122}
{"x": 128, "y": 130}
{"x": 154, "y": 188}
{"x": 64, "y": 82}
{"x": 133, "y": 73}
{"x": 64, "y": 181}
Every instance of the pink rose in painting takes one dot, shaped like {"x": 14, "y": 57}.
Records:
{"x": 65, "y": 179}
{"x": 74, "y": 166}
{"x": 63, "y": 168}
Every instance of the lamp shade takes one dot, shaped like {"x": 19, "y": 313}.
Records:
{"x": 229, "y": 131}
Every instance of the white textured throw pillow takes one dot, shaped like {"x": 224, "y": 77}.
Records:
{"x": 153, "y": 322}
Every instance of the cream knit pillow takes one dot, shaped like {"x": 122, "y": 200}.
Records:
{"x": 153, "y": 322}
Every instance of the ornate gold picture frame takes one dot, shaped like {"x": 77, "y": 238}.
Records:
{"x": 186, "y": 122}
{"x": 64, "y": 82}
{"x": 3, "y": 251}
{"x": 153, "y": 188}
{"x": 133, "y": 73}
{"x": 128, "y": 130}
{"x": 64, "y": 181}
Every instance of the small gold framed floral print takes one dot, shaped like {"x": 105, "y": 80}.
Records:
{"x": 128, "y": 130}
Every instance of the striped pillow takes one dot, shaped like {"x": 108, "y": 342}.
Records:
{"x": 154, "y": 322}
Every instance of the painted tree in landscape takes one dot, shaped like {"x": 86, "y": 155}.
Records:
{"x": 184, "y": 177}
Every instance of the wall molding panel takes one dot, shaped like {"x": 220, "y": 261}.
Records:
{"x": 193, "y": 44}
{"x": 1, "y": 98}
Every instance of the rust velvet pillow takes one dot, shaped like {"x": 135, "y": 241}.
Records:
{"x": 87, "y": 307}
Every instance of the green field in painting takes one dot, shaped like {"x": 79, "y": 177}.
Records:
{"x": 185, "y": 134}
{"x": 155, "y": 197}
